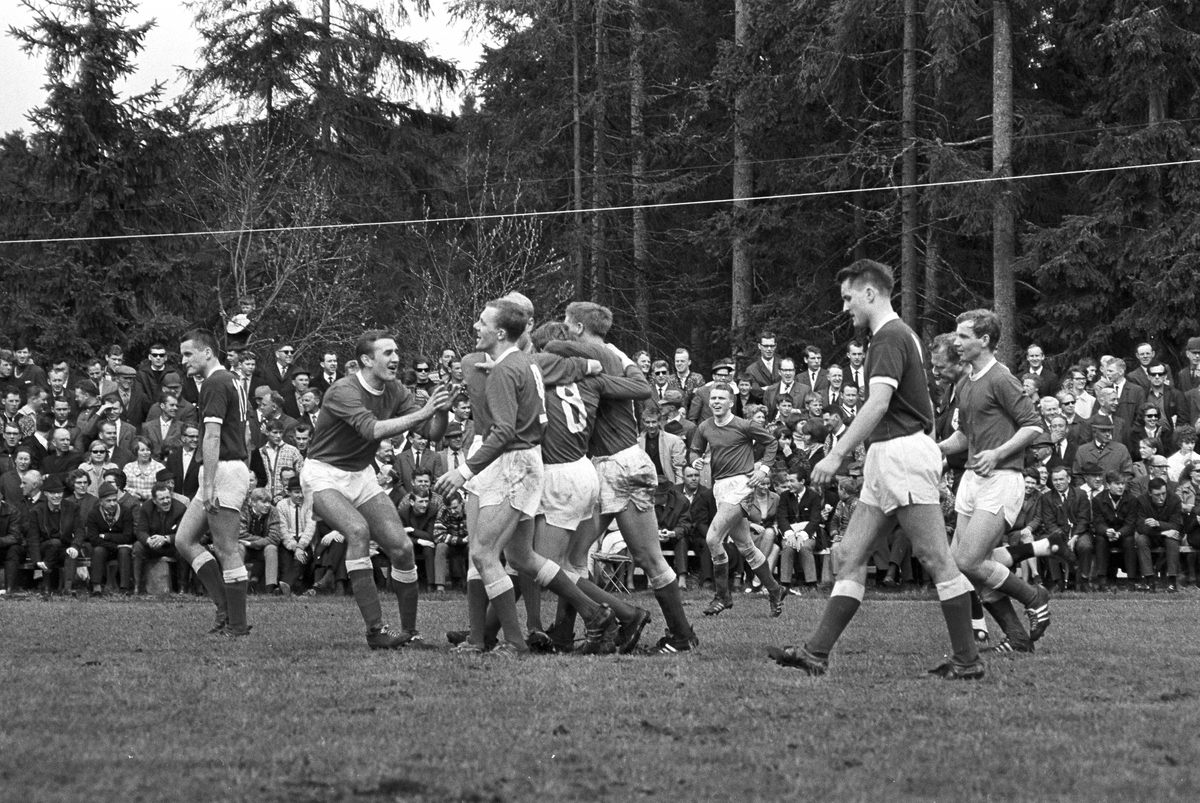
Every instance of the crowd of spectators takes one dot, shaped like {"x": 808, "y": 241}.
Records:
{"x": 98, "y": 465}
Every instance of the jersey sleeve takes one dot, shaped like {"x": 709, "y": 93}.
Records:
{"x": 1009, "y": 394}
{"x": 558, "y": 370}
{"x": 214, "y": 401}
{"x": 345, "y": 402}
{"x": 632, "y": 386}
{"x": 887, "y": 361}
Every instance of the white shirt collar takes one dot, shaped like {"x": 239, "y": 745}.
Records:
{"x": 986, "y": 368}
{"x": 505, "y": 353}
{"x": 891, "y": 316}
{"x": 367, "y": 387}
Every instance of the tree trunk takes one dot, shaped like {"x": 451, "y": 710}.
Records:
{"x": 1003, "y": 215}
{"x": 637, "y": 101}
{"x": 577, "y": 145}
{"x": 929, "y": 328}
{"x": 743, "y": 185}
{"x": 323, "y": 101}
{"x": 599, "y": 180}
{"x": 908, "y": 195}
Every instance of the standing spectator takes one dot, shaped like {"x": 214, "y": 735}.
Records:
{"x": 814, "y": 376}
{"x": 1045, "y": 379}
{"x": 699, "y": 411}
{"x": 1140, "y": 375}
{"x": 270, "y": 408}
{"x": 666, "y": 451}
{"x": 25, "y": 372}
{"x": 328, "y": 373}
{"x": 1129, "y": 395}
{"x": 1188, "y": 377}
{"x": 445, "y": 360}
{"x": 165, "y": 430}
{"x": 460, "y": 413}
{"x": 152, "y": 372}
{"x": 277, "y": 373}
{"x": 1102, "y": 450}
{"x": 7, "y": 382}
{"x": 856, "y": 357}
{"x": 65, "y": 418}
{"x": 135, "y": 405}
{"x": 11, "y": 412}
{"x": 1169, "y": 401}
{"x": 765, "y": 371}
{"x": 291, "y": 396}
{"x": 660, "y": 381}
{"x": 685, "y": 380}
{"x": 310, "y": 410}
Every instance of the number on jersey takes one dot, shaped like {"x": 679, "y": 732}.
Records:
{"x": 541, "y": 391}
{"x": 573, "y": 407}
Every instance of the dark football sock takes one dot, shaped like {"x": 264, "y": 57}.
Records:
{"x": 957, "y": 611}
{"x": 670, "y": 600}
{"x": 838, "y": 612}
{"x": 477, "y": 611}
{"x": 366, "y": 597}
{"x": 1018, "y": 589}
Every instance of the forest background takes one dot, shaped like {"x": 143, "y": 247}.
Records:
{"x": 704, "y": 167}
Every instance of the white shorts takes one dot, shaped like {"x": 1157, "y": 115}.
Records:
{"x": 732, "y": 490}
{"x": 1002, "y": 492}
{"x": 514, "y": 478}
{"x": 901, "y": 472}
{"x": 359, "y": 487}
{"x": 627, "y": 476}
{"x": 233, "y": 484}
{"x": 570, "y": 493}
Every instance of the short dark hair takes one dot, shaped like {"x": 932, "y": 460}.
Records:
{"x": 34, "y": 391}
{"x": 551, "y": 330}
{"x": 1156, "y": 484}
{"x": 158, "y": 487}
{"x": 766, "y": 334}
{"x": 510, "y": 317}
{"x": 201, "y": 337}
{"x": 983, "y": 322}
{"x": 365, "y": 346}
{"x": 596, "y": 319}
{"x": 421, "y": 471}
{"x": 811, "y": 349}
{"x": 118, "y": 477}
{"x": 868, "y": 271}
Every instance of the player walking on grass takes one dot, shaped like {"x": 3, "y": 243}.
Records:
{"x": 224, "y": 482}
{"x": 735, "y": 476}
{"x": 628, "y": 480}
{"x": 900, "y": 480}
{"x": 996, "y": 423}
{"x": 358, "y": 412}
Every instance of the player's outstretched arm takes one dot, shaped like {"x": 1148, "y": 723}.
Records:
{"x": 435, "y": 408}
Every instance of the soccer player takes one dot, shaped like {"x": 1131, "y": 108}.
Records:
{"x": 507, "y": 465}
{"x": 900, "y": 480}
{"x": 627, "y": 484}
{"x": 571, "y": 490}
{"x": 996, "y": 422}
{"x": 360, "y": 410}
{"x": 735, "y": 476}
{"x": 224, "y": 482}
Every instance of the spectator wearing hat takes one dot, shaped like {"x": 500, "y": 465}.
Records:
{"x": 296, "y": 530}
{"x": 155, "y": 523}
{"x": 134, "y": 402}
{"x": 1114, "y": 519}
{"x": 1187, "y": 378}
{"x": 722, "y": 374}
{"x": 673, "y": 419}
{"x": 454, "y": 454}
{"x": 87, "y": 401}
{"x": 187, "y": 412}
{"x": 125, "y": 499}
{"x": 168, "y": 478}
{"x": 164, "y": 429}
{"x": 1102, "y": 450}
{"x": 108, "y": 533}
{"x": 51, "y": 527}
{"x": 291, "y": 396}
{"x": 1106, "y": 405}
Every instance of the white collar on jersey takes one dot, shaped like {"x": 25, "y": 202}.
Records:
{"x": 986, "y": 368}
{"x": 505, "y": 353}
{"x": 365, "y": 386}
{"x": 888, "y": 319}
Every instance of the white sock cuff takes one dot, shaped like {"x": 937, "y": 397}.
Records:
{"x": 662, "y": 580}
{"x": 996, "y": 576}
{"x": 200, "y": 560}
{"x": 1042, "y": 548}
{"x": 755, "y": 559}
{"x": 979, "y": 624}
{"x": 409, "y": 575}
{"x": 495, "y": 589}
{"x": 956, "y": 587}
{"x": 547, "y": 573}
{"x": 848, "y": 588}
{"x": 358, "y": 564}
{"x": 235, "y": 575}
{"x": 473, "y": 573}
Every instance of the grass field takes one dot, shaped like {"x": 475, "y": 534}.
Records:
{"x": 129, "y": 701}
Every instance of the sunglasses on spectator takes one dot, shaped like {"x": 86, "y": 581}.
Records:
{"x": 1151, "y": 415}
{"x": 158, "y": 354}
{"x": 660, "y": 373}
{"x": 287, "y": 351}
{"x": 1158, "y": 373}
{"x": 422, "y": 370}
{"x": 99, "y": 451}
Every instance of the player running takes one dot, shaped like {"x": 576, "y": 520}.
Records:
{"x": 996, "y": 424}
{"x": 735, "y": 475}
{"x": 224, "y": 482}
{"x": 358, "y": 412}
{"x": 900, "y": 480}
{"x": 627, "y": 484}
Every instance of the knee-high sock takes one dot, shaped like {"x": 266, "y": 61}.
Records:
{"x": 844, "y": 602}
{"x": 555, "y": 579}
{"x": 236, "y": 582}
{"x": 366, "y": 596}
{"x": 504, "y": 601}
{"x": 209, "y": 573}
{"x": 623, "y": 609}
{"x": 1018, "y": 589}
{"x": 404, "y": 584}
{"x": 763, "y": 572}
{"x": 670, "y": 601}
{"x": 1010, "y": 623}
{"x": 957, "y": 612}
{"x": 531, "y": 593}
{"x": 721, "y": 579}
{"x": 477, "y": 609}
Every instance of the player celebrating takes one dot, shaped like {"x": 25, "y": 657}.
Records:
{"x": 996, "y": 424}
{"x": 900, "y": 480}
{"x": 507, "y": 466}
{"x": 735, "y": 476}
{"x": 627, "y": 484}
{"x": 357, "y": 413}
{"x": 224, "y": 482}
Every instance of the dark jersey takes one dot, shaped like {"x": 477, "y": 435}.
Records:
{"x": 733, "y": 445}
{"x": 991, "y": 408}
{"x": 513, "y": 407}
{"x": 345, "y": 433}
{"x": 616, "y": 419}
{"x": 896, "y": 358}
{"x": 571, "y": 411}
{"x": 221, "y": 404}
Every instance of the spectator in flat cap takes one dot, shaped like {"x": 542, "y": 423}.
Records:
{"x": 109, "y": 533}
{"x": 1102, "y": 450}
{"x": 673, "y": 419}
{"x": 1188, "y": 377}
{"x": 134, "y": 402}
{"x": 167, "y": 477}
{"x": 454, "y": 453}
{"x": 187, "y": 412}
{"x": 722, "y": 374}
{"x": 291, "y": 396}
